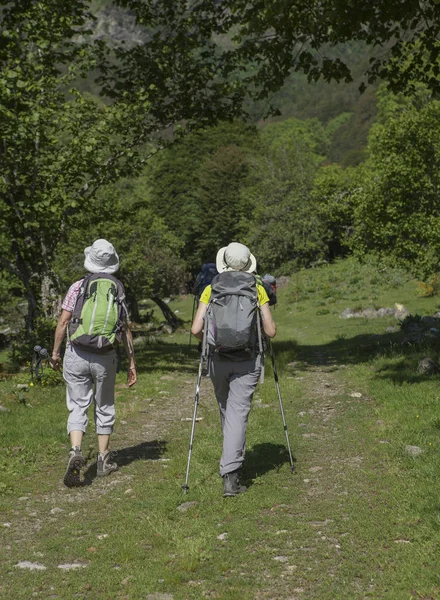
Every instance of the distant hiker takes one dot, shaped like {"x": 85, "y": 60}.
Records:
{"x": 270, "y": 285}
{"x": 95, "y": 317}
{"x": 231, "y": 306}
{"x": 204, "y": 278}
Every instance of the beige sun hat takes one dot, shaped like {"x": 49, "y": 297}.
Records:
{"x": 235, "y": 257}
{"x": 101, "y": 257}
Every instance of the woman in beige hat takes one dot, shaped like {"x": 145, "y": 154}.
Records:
{"x": 90, "y": 376}
{"x": 234, "y": 381}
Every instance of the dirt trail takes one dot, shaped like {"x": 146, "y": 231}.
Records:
{"x": 326, "y": 474}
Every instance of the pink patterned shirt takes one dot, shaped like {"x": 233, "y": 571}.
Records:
{"x": 71, "y": 296}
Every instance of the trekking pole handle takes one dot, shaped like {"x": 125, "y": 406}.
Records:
{"x": 45, "y": 354}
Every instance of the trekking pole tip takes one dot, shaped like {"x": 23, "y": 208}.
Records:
{"x": 185, "y": 488}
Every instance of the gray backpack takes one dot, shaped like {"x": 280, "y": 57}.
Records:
{"x": 233, "y": 328}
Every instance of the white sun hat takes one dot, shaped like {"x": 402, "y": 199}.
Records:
{"x": 235, "y": 257}
{"x": 101, "y": 257}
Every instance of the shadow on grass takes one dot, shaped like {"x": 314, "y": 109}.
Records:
{"x": 145, "y": 451}
{"x": 262, "y": 458}
{"x": 163, "y": 357}
{"x": 400, "y": 355}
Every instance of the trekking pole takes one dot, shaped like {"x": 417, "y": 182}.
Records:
{"x": 192, "y": 319}
{"x": 37, "y": 359}
{"x": 275, "y": 374}
{"x": 185, "y": 486}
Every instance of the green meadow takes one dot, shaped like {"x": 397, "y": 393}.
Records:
{"x": 358, "y": 518}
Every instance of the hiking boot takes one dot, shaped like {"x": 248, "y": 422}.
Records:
{"x": 231, "y": 484}
{"x": 105, "y": 466}
{"x": 75, "y": 463}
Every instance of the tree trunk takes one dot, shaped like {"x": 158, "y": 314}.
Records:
{"x": 50, "y": 296}
{"x": 173, "y": 321}
{"x": 32, "y": 312}
{"x": 133, "y": 308}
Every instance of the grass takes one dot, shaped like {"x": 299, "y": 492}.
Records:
{"x": 359, "y": 518}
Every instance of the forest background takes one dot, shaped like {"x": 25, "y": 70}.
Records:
{"x": 169, "y": 131}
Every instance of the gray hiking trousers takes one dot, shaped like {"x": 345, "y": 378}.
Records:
{"x": 90, "y": 376}
{"x": 234, "y": 386}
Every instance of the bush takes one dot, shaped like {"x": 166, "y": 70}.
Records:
{"x": 22, "y": 348}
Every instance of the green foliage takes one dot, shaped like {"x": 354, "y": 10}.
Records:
{"x": 148, "y": 249}
{"x": 194, "y": 188}
{"x": 334, "y": 191}
{"x": 397, "y": 210}
{"x": 286, "y": 231}
{"x": 223, "y": 215}
{"x": 22, "y": 348}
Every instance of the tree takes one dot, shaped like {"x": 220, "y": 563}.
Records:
{"x": 334, "y": 192}
{"x": 397, "y": 213}
{"x": 286, "y": 36}
{"x": 224, "y": 215}
{"x": 286, "y": 231}
{"x": 60, "y": 146}
{"x": 148, "y": 250}
{"x": 186, "y": 178}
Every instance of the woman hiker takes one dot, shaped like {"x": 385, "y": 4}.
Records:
{"x": 90, "y": 362}
{"x": 234, "y": 375}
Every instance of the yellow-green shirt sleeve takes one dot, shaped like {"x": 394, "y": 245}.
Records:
{"x": 262, "y": 295}
{"x": 206, "y": 295}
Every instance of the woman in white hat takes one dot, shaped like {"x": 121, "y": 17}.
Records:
{"x": 234, "y": 381}
{"x": 91, "y": 376}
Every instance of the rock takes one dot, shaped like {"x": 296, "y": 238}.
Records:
{"x": 413, "y": 450}
{"x": 348, "y": 313}
{"x": 427, "y": 366}
{"x": 186, "y": 506}
{"x": 25, "y": 564}
{"x": 431, "y": 322}
{"x": 118, "y": 26}
{"x": 3, "y": 409}
{"x": 281, "y": 558}
{"x": 369, "y": 313}
{"x": 56, "y": 510}
{"x": 355, "y": 395}
{"x": 385, "y": 312}
{"x": 22, "y": 386}
{"x": 222, "y": 536}
{"x": 71, "y": 566}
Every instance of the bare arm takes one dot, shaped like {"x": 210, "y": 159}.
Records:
{"x": 127, "y": 340}
{"x": 60, "y": 332}
{"x": 199, "y": 321}
{"x": 269, "y": 326}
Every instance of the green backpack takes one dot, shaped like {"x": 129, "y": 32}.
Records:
{"x": 99, "y": 314}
